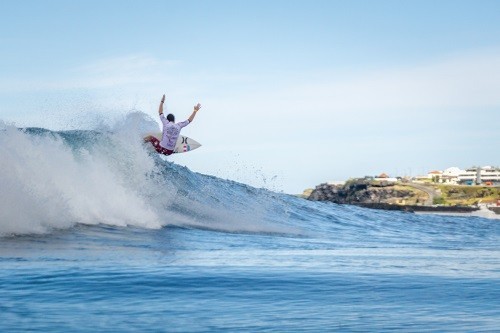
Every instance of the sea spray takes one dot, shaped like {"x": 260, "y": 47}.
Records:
{"x": 56, "y": 179}
{"x": 45, "y": 184}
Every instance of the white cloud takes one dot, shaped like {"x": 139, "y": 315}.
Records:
{"x": 117, "y": 72}
{"x": 453, "y": 89}
{"x": 335, "y": 122}
{"x": 461, "y": 81}
{"x": 466, "y": 81}
{"x": 120, "y": 71}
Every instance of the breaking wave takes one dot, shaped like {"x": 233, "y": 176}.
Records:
{"x": 57, "y": 179}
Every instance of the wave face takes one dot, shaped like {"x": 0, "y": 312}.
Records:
{"x": 55, "y": 180}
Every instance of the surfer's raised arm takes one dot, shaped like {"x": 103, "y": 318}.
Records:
{"x": 160, "y": 108}
{"x": 170, "y": 141}
{"x": 197, "y": 108}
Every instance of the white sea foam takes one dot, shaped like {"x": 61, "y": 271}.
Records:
{"x": 44, "y": 184}
{"x": 49, "y": 182}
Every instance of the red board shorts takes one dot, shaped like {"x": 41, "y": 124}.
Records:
{"x": 156, "y": 143}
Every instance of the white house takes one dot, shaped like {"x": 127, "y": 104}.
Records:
{"x": 385, "y": 177}
{"x": 435, "y": 175}
{"x": 486, "y": 175}
{"x": 450, "y": 175}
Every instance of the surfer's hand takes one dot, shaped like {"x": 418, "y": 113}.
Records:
{"x": 163, "y": 99}
{"x": 197, "y": 107}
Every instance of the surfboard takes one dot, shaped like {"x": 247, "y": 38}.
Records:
{"x": 183, "y": 144}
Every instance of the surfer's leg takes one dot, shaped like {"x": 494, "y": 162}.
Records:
{"x": 167, "y": 151}
{"x": 156, "y": 144}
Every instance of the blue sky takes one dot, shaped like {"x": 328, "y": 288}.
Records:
{"x": 294, "y": 93}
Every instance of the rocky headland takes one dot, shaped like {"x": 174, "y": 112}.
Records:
{"x": 407, "y": 196}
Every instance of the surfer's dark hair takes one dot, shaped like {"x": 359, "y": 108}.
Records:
{"x": 170, "y": 117}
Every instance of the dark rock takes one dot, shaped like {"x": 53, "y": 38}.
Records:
{"x": 361, "y": 192}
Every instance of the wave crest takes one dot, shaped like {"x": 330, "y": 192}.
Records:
{"x": 54, "y": 180}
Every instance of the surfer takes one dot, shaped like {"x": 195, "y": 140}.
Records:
{"x": 171, "y": 130}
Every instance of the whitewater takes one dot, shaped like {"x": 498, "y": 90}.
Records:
{"x": 99, "y": 233}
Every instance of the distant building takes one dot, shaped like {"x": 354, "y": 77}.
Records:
{"x": 486, "y": 175}
{"x": 450, "y": 175}
{"x": 385, "y": 177}
{"x": 435, "y": 176}
{"x": 452, "y": 172}
{"x": 336, "y": 182}
{"x": 430, "y": 176}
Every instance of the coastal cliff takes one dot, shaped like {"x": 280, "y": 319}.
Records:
{"x": 404, "y": 196}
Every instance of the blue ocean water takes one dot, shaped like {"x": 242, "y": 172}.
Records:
{"x": 108, "y": 237}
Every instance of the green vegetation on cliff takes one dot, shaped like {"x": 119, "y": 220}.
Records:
{"x": 467, "y": 195}
{"x": 365, "y": 191}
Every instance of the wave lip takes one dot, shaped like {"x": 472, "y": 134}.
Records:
{"x": 50, "y": 180}
{"x": 57, "y": 179}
